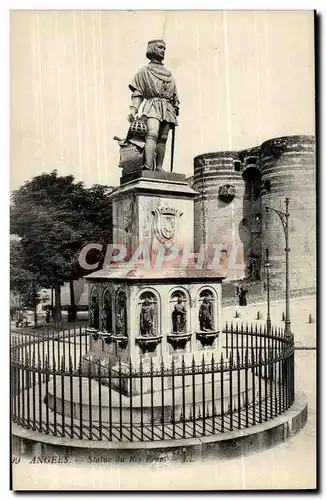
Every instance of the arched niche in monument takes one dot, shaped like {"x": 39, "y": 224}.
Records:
{"x": 107, "y": 310}
{"x": 207, "y": 310}
{"x": 179, "y": 311}
{"x": 179, "y": 307}
{"x": 94, "y": 308}
{"x": 148, "y": 316}
{"x": 121, "y": 313}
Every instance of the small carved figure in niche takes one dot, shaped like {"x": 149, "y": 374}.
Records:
{"x": 205, "y": 315}
{"x": 179, "y": 317}
{"x": 147, "y": 318}
{"x": 107, "y": 316}
{"x": 242, "y": 292}
{"x": 94, "y": 314}
{"x": 121, "y": 315}
{"x": 120, "y": 323}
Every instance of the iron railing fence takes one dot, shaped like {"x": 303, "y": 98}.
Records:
{"x": 57, "y": 390}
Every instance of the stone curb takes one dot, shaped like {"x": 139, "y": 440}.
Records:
{"x": 229, "y": 444}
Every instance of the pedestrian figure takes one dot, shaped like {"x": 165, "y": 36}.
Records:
{"x": 242, "y": 292}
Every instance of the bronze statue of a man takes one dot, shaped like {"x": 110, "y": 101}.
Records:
{"x": 155, "y": 84}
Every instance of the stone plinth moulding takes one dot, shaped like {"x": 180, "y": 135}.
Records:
{"x": 178, "y": 340}
{"x": 148, "y": 344}
{"x": 207, "y": 338}
{"x": 93, "y": 332}
{"x": 106, "y": 336}
{"x": 120, "y": 340}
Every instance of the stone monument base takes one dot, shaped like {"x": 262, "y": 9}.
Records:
{"x": 147, "y": 408}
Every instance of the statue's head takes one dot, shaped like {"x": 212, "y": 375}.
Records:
{"x": 156, "y": 50}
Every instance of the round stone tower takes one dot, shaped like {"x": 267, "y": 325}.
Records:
{"x": 288, "y": 170}
{"x": 219, "y": 206}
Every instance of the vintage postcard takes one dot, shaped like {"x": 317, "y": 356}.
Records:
{"x": 163, "y": 250}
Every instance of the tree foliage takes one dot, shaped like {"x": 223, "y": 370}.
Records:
{"x": 54, "y": 218}
{"x": 24, "y": 283}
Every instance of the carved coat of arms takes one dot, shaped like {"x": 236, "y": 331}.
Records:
{"x": 226, "y": 193}
{"x": 165, "y": 223}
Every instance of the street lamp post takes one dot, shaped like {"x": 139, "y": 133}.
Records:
{"x": 284, "y": 218}
{"x": 268, "y": 320}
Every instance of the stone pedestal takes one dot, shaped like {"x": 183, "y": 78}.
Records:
{"x": 153, "y": 208}
{"x": 138, "y": 293}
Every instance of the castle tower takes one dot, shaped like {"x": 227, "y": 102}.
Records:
{"x": 218, "y": 209}
{"x": 288, "y": 170}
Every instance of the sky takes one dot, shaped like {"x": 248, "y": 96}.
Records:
{"x": 242, "y": 76}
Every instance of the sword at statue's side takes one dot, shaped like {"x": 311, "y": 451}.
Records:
{"x": 172, "y": 148}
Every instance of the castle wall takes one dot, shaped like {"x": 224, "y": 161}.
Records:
{"x": 218, "y": 221}
{"x": 262, "y": 176}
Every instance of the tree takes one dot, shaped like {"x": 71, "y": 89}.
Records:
{"x": 55, "y": 217}
{"x": 23, "y": 282}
